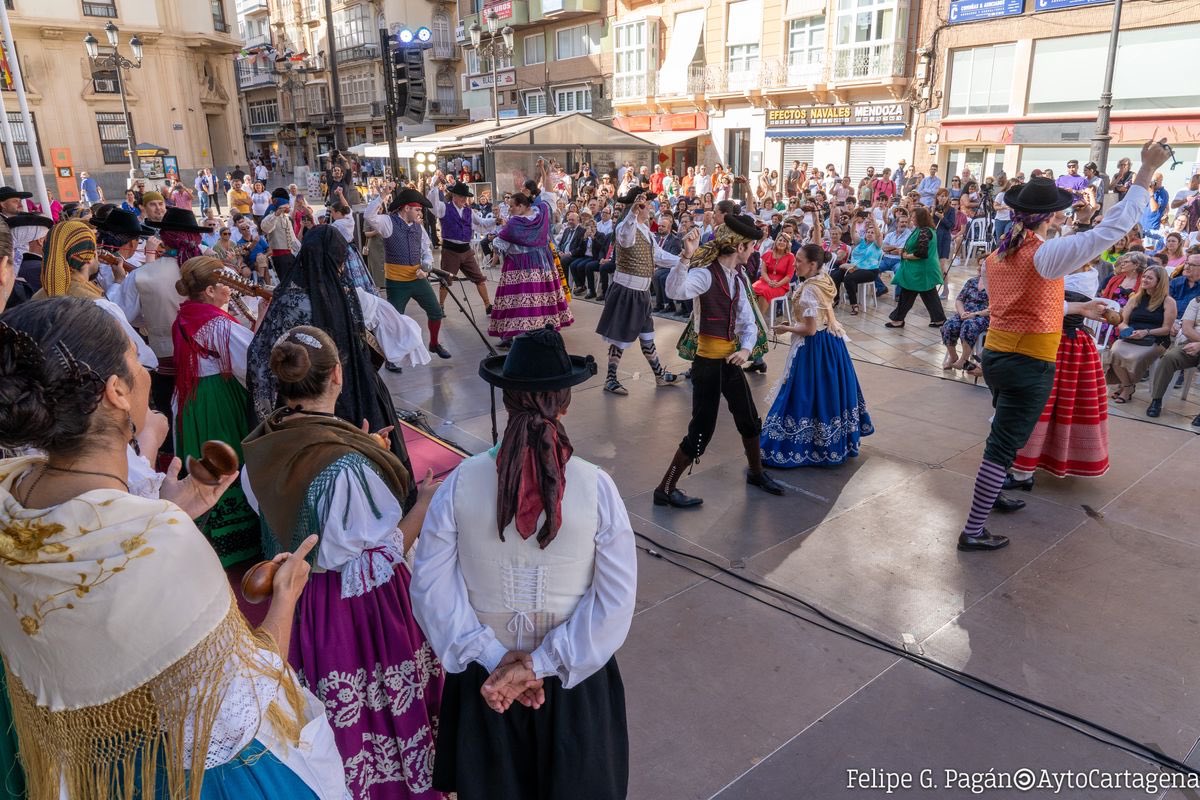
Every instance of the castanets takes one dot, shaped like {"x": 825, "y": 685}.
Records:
{"x": 217, "y": 460}
{"x": 259, "y": 581}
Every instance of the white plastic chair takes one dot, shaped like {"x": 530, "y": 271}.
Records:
{"x": 784, "y": 303}
{"x": 978, "y": 238}
{"x": 1093, "y": 325}
{"x": 1189, "y": 375}
{"x": 866, "y": 294}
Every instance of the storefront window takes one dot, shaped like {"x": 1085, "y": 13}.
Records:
{"x": 1067, "y": 73}
{"x": 981, "y": 80}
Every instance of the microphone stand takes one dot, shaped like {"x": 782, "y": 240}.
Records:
{"x": 470, "y": 318}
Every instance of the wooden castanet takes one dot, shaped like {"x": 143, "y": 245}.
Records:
{"x": 217, "y": 460}
{"x": 259, "y": 581}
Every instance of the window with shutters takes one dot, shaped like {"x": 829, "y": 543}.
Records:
{"x": 21, "y": 140}
{"x": 100, "y": 8}
{"x": 570, "y": 99}
{"x": 114, "y": 136}
{"x": 534, "y": 102}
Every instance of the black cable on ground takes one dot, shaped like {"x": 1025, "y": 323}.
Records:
{"x": 1081, "y": 725}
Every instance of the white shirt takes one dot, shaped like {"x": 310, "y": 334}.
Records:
{"x": 1192, "y": 312}
{"x": 703, "y": 185}
{"x": 1060, "y": 257}
{"x": 399, "y": 336}
{"x": 572, "y": 651}
{"x": 685, "y": 284}
{"x": 627, "y": 235}
{"x": 259, "y": 202}
{"x": 213, "y": 335}
{"x": 382, "y": 223}
{"x": 146, "y": 356}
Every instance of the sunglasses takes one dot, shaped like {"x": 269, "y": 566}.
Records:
{"x": 225, "y": 234}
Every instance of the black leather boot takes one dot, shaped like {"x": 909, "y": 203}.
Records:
{"x": 756, "y": 475}
{"x": 666, "y": 494}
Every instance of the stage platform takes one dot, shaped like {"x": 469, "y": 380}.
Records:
{"x": 1093, "y": 608}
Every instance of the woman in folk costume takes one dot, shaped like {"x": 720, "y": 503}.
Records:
{"x": 1071, "y": 436}
{"x": 626, "y": 317}
{"x": 356, "y": 267}
{"x": 1026, "y": 298}
{"x": 530, "y": 295}
{"x": 211, "y": 348}
{"x": 130, "y": 669}
{"x": 524, "y": 582}
{"x": 817, "y": 413}
{"x": 318, "y": 292}
{"x": 355, "y": 643}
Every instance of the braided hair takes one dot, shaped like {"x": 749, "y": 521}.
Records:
{"x": 1014, "y": 237}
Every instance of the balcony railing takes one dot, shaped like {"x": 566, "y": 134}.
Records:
{"x": 693, "y": 83}
{"x": 634, "y": 87}
{"x": 251, "y": 77}
{"x": 444, "y": 49}
{"x": 733, "y": 77}
{"x": 357, "y": 53}
{"x": 443, "y": 108}
{"x": 868, "y": 62}
{"x": 257, "y": 40}
{"x": 782, "y": 73}
{"x": 250, "y": 6}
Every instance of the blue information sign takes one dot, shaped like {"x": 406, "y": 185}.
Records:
{"x": 975, "y": 10}
{"x": 1058, "y": 5}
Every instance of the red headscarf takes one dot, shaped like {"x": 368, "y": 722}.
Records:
{"x": 532, "y": 462}
{"x": 193, "y": 315}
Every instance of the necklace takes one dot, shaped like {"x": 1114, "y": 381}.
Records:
{"x": 118, "y": 479}
{"x": 302, "y": 410}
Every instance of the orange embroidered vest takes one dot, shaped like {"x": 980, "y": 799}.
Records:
{"x": 1026, "y": 309}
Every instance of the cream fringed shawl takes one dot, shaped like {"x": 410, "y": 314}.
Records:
{"x": 121, "y": 640}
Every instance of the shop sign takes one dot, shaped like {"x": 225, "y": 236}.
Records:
{"x": 1058, "y": 5}
{"x": 484, "y": 81}
{"x": 975, "y": 10}
{"x": 502, "y": 10}
{"x": 837, "y": 115}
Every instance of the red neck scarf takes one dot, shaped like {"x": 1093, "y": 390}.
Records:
{"x": 194, "y": 315}
{"x": 532, "y": 463}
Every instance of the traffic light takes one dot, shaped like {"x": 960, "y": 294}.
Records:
{"x": 413, "y": 104}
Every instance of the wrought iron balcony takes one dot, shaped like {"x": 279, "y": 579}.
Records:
{"x": 795, "y": 71}
{"x": 358, "y": 52}
{"x": 692, "y": 83}
{"x": 868, "y": 62}
{"x": 257, "y": 40}
{"x": 253, "y": 76}
{"x": 444, "y": 49}
{"x": 444, "y": 108}
{"x": 734, "y": 77}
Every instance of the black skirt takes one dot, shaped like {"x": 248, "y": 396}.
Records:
{"x": 626, "y": 315}
{"x": 575, "y": 747}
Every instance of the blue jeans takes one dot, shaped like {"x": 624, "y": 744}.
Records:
{"x": 204, "y": 202}
{"x": 1000, "y": 227}
{"x": 886, "y": 264}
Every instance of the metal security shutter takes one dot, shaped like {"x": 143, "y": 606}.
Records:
{"x": 866, "y": 153}
{"x": 796, "y": 150}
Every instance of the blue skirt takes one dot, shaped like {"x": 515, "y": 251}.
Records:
{"x": 254, "y": 773}
{"x": 818, "y": 414}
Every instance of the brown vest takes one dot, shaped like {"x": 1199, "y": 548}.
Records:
{"x": 718, "y": 309}
{"x": 638, "y": 258}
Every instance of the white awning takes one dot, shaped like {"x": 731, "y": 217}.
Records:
{"x": 685, "y": 38}
{"x": 403, "y": 150}
{"x": 669, "y": 138}
{"x": 744, "y": 23}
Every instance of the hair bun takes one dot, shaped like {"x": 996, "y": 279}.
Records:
{"x": 290, "y": 362}
{"x": 29, "y": 407}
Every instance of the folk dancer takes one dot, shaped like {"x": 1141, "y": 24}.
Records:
{"x": 409, "y": 255}
{"x": 459, "y": 221}
{"x": 627, "y": 313}
{"x": 1026, "y": 297}
{"x": 724, "y": 333}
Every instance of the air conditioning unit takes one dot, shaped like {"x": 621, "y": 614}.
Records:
{"x": 435, "y": 107}
{"x": 104, "y": 86}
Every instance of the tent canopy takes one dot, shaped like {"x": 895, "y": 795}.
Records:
{"x": 403, "y": 150}
{"x": 571, "y": 131}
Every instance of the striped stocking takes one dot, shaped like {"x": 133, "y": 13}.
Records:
{"x": 987, "y": 488}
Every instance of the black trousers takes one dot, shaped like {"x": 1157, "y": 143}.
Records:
{"x": 851, "y": 279}
{"x": 712, "y": 379}
{"x": 283, "y": 265}
{"x": 583, "y": 271}
{"x": 933, "y": 304}
{"x": 162, "y": 389}
{"x": 606, "y": 269}
{"x": 1020, "y": 387}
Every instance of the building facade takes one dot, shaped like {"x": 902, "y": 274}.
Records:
{"x": 182, "y": 99}
{"x": 1013, "y": 85}
{"x": 758, "y": 84}
{"x": 559, "y": 63}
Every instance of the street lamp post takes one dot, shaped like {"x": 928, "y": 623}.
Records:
{"x": 495, "y": 48}
{"x": 118, "y": 62}
{"x": 1102, "y": 138}
{"x": 288, "y": 81}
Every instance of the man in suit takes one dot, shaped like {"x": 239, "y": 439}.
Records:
{"x": 570, "y": 247}
{"x": 596, "y": 245}
{"x": 667, "y": 239}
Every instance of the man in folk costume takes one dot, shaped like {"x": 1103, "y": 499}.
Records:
{"x": 29, "y": 237}
{"x": 276, "y": 225}
{"x": 1026, "y": 298}
{"x": 627, "y": 309}
{"x": 725, "y": 332}
{"x": 524, "y": 583}
{"x": 149, "y": 299}
{"x": 409, "y": 256}
{"x": 458, "y": 226}
{"x": 11, "y": 201}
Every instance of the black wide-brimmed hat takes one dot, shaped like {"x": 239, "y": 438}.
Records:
{"x": 8, "y": 193}
{"x": 123, "y": 223}
{"x": 180, "y": 220}
{"x": 460, "y": 189}
{"x": 537, "y": 362}
{"x": 29, "y": 220}
{"x": 744, "y": 225}
{"x": 1038, "y": 196}
{"x": 630, "y": 197}
{"x": 408, "y": 197}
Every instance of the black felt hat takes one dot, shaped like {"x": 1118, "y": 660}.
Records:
{"x": 1038, "y": 196}
{"x": 180, "y": 220}
{"x": 460, "y": 189}
{"x": 744, "y": 225}
{"x": 122, "y": 223}
{"x": 8, "y": 193}
{"x": 408, "y": 197}
{"x": 537, "y": 362}
{"x": 29, "y": 220}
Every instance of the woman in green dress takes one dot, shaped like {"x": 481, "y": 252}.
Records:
{"x": 919, "y": 273}
{"x": 211, "y": 399}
